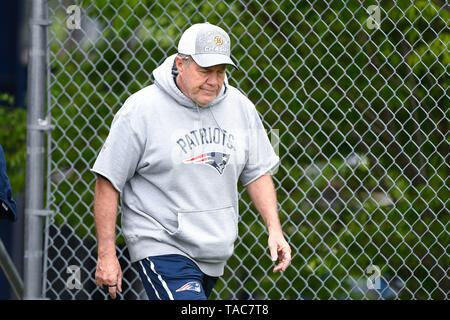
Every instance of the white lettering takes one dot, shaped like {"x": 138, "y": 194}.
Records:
{"x": 193, "y": 310}
{"x": 74, "y": 19}
{"x": 74, "y": 280}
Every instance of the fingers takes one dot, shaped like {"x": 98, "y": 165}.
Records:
{"x": 273, "y": 253}
{"x": 112, "y": 291}
{"x": 279, "y": 249}
{"x": 112, "y": 287}
{"x": 283, "y": 264}
{"x": 115, "y": 286}
{"x": 284, "y": 254}
{"x": 109, "y": 277}
{"x": 119, "y": 283}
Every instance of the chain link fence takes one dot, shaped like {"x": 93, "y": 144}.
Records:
{"x": 356, "y": 91}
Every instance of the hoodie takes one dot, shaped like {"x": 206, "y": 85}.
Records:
{"x": 177, "y": 165}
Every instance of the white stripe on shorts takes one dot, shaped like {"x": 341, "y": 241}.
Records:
{"x": 164, "y": 284}
{"x": 150, "y": 281}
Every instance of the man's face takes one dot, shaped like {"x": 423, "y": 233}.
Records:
{"x": 202, "y": 85}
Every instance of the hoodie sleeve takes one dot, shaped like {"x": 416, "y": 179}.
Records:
{"x": 120, "y": 155}
{"x": 261, "y": 157}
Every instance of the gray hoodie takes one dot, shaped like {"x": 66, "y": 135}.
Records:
{"x": 177, "y": 166}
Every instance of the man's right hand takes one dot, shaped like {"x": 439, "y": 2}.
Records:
{"x": 109, "y": 273}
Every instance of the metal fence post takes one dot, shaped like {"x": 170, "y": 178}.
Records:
{"x": 35, "y": 150}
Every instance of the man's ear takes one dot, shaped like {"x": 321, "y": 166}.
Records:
{"x": 179, "y": 63}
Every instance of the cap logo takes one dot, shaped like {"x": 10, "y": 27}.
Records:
{"x": 218, "y": 41}
{"x": 209, "y": 40}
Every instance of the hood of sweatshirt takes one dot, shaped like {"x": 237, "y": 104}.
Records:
{"x": 165, "y": 75}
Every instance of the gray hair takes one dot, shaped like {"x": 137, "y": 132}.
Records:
{"x": 186, "y": 58}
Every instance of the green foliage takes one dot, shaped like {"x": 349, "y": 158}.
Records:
{"x": 337, "y": 92}
{"x": 13, "y": 135}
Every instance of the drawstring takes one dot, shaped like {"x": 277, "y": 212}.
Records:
{"x": 215, "y": 120}
{"x": 220, "y": 128}
{"x": 201, "y": 124}
{"x": 200, "y": 127}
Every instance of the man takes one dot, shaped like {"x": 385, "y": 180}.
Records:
{"x": 175, "y": 153}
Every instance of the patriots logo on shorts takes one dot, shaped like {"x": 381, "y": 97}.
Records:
{"x": 217, "y": 160}
{"x": 193, "y": 286}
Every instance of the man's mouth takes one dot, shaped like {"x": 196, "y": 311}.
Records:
{"x": 209, "y": 91}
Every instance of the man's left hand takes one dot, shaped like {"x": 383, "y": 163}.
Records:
{"x": 279, "y": 250}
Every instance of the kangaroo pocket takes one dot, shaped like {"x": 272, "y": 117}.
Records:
{"x": 207, "y": 235}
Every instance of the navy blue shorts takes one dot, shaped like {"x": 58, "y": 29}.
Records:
{"x": 174, "y": 277}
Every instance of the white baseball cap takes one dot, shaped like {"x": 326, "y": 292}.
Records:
{"x": 207, "y": 44}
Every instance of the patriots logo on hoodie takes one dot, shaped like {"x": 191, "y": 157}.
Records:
{"x": 217, "y": 160}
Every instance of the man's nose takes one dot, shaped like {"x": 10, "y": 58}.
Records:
{"x": 213, "y": 79}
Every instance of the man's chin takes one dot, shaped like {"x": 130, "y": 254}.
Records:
{"x": 204, "y": 102}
